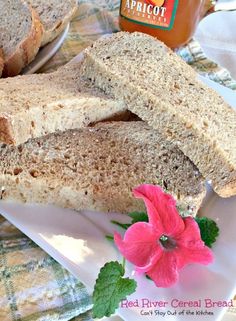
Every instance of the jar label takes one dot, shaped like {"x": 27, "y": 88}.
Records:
{"x": 152, "y": 13}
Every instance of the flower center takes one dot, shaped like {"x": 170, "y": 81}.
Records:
{"x": 167, "y": 242}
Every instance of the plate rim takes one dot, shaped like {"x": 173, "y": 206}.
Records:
{"x": 46, "y": 53}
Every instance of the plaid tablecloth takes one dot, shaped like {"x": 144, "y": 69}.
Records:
{"x": 33, "y": 287}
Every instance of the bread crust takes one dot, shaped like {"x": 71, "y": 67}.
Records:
{"x": 26, "y": 50}
{"x": 227, "y": 190}
{"x": 6, "y": 134}
{"x": 1, "y": 61}
{"x": 50, "y": 35}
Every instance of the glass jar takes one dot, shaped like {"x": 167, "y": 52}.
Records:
{"x": 171, "y": 21}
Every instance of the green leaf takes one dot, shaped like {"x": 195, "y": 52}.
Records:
{"x": 124, "y": 226}
{"x": 110, "y": 289}
{"x": 209, "y": 230}
{"x": 109, "y": 237}
{"x": 138, "y": 217}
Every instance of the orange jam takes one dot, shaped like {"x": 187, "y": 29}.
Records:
{"x": 171, "y": 21}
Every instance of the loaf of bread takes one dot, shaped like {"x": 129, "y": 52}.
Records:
{"x": 35, "y": 105}
{"x": 164, "y": 91}
{"x": 20, "y": 35}
{"x": 97, "y": 167}
{"x": 54, "y": 15}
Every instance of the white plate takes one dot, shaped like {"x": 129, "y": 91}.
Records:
{"x": 77, "y": 241}
{"x": 46, "y": 53}
{"x": 219, "y": 46}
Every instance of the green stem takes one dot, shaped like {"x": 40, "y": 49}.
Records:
{"x": 124, "y": 226}
{"x": 123, "y": 263}
{"x": 110, "y": 237}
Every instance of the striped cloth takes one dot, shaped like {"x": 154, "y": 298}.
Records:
{"x": 33, "y": 287}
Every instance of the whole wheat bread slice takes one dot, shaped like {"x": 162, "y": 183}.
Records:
{"x": 164, "y": 91}
{"x": 20, "y": 35}
{"x": 35, "y": 105}
{"x": 96, "y": 168}
{"x": 54, "y": 15}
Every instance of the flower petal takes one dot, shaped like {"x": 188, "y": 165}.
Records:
{"x": 151, "y": 263}
{"x": 161, "y": 208}
{"x": 140, "y": 245}
{"x": 197, "y": 255}
{"x": 165, "y": 272}
{"x": 191, "y": 234}
{"x": 190, "y": 247}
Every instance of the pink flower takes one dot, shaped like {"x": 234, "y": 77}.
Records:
{"x": 164, "y": 245}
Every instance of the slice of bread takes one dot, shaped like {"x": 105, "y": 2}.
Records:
{"x": 35, "y": 105}
{"x": 164, "y": 91}
{"x": 1, "y": 62}
{"x": 54, "y": 15}
{"x": 96, "y": 168}
{"x": 20, "y": 35}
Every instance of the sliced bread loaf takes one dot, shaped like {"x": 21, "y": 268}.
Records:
{"x": 96, "y": 168}
{"x": 54, "y": 15}
{"x": 35, "y": 105}
{"x": 164, "y": 91}
{"x": 20, "y": 35}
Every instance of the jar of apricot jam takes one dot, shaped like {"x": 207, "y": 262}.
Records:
{"x": 171, "y": 21}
